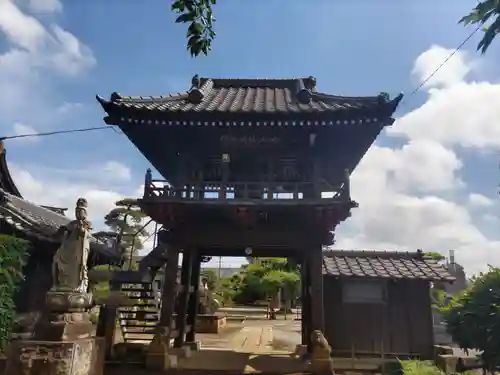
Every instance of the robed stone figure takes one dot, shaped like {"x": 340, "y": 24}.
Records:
{"x": 69, "y": 268}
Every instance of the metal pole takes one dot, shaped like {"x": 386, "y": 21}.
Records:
{"x": 220, "y": 266}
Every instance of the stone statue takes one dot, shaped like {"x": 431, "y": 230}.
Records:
{"x": 320, "y": 347}
{"x": 69, "y": 267}
{"x": 321, "y": 360}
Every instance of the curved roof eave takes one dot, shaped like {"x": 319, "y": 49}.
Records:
{"x": 6, "y": 181}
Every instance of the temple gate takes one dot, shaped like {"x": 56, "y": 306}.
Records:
{"x": 251, "y": 167}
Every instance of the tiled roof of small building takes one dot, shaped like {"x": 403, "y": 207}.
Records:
{"x": 258, "y": 96}
{"x": 383, "y": 264}
{"x": 37, "y": 221}
{"x": 43, "y": 223}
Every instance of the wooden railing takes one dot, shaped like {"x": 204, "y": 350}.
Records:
{"x": 263, "y": 191}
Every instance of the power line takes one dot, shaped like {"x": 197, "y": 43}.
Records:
{"x": 55, "y": 132}
{"x": 441, "y": 65}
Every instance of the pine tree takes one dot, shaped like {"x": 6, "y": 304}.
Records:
{"x": 128, "y": 223}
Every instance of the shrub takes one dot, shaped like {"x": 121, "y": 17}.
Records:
{"x": 13, "y": 256}
{"x": 420, "y": 368}
{"x": 473, "y": 317}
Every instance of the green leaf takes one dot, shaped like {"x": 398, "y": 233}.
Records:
{"x": 481, "y": 14}
{"x": 195, "y": 29}
{"x": 186, "y": 17}
{"x": 178, "y": 6}
{"x": 489, "y": 35}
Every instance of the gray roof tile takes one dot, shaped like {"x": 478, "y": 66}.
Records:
{"x": 41, "y": 222}
{"x": 383, "y": 264}
{"x": 285, "y": 96}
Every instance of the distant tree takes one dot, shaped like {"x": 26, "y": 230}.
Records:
{"x": 199, "y": 16}
{"x": 264, "y": 278}
{"x": 127, "y": 221}
{"x": 209, "y": 276}
{"x": 473, "y": 318}
{"x": 486, "y": 14}
{"x": 286, "y": 281}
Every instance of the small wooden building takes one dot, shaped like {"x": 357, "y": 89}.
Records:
{"x": 379, "y": 303}
{"x": 38, "y": 224}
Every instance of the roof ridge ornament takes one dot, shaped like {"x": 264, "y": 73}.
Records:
{"x": 310, "y": 82}
{"x": 383, "y": 97}
{"x": 302, "y": 93}
{"x": 197, "y": 91}
{"x": 115, "y": 97}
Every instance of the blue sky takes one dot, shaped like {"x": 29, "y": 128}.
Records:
{"x": 56, "y": 56}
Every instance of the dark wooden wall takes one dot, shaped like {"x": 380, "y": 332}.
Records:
{"x": 401, "y": 327}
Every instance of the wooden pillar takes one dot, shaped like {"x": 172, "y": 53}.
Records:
{"x": 316, "y": 284}
{"x": 187, "y": 263}
{"x": 169, "y": 289}
{"x": 194, "y": 296}
{"x": 270, "y": 179}
{"x": 305, "y": 302}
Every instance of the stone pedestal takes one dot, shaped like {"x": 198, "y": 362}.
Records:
{"x": 210, "y": 323}
{"x": 68, "y": 317}
{"x": 158, "y": 357}
{"x": 194, "y": 345}
{"x": 77, "y": 357}
{"x": 63, "y": 342}
{"x": 322, "y": 366}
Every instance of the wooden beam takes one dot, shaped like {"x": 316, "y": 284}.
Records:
{"x": 241, "y": 238}
{"x": 256, "y": 252}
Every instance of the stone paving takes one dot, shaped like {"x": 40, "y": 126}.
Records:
{"x": 252, "y": 346}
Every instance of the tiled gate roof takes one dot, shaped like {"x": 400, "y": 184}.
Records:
{"x": 383, "y": 264}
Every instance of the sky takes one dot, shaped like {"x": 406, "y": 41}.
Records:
{"x": 429, "y": 182}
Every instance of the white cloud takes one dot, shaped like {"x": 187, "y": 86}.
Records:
{"x": 68, "y": 107}
{"x": 429, "y": 61}
{"x": 45, "y": 6}
{"x": 109, "y": 173}
{"x": 465, "y": 114}
{"x": 489, "y": 218}
{"x": 409, "y": 195}
{"x": 53, "y": 48}
{"x": 480, "y": 200}
{"x": 116, "y": 170}
{"x": 34, "y": 53}
{"x": 53, "y": 192}
{"x": 22, "y": 129}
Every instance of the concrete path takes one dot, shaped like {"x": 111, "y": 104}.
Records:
{"x": 249, "y": 349}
